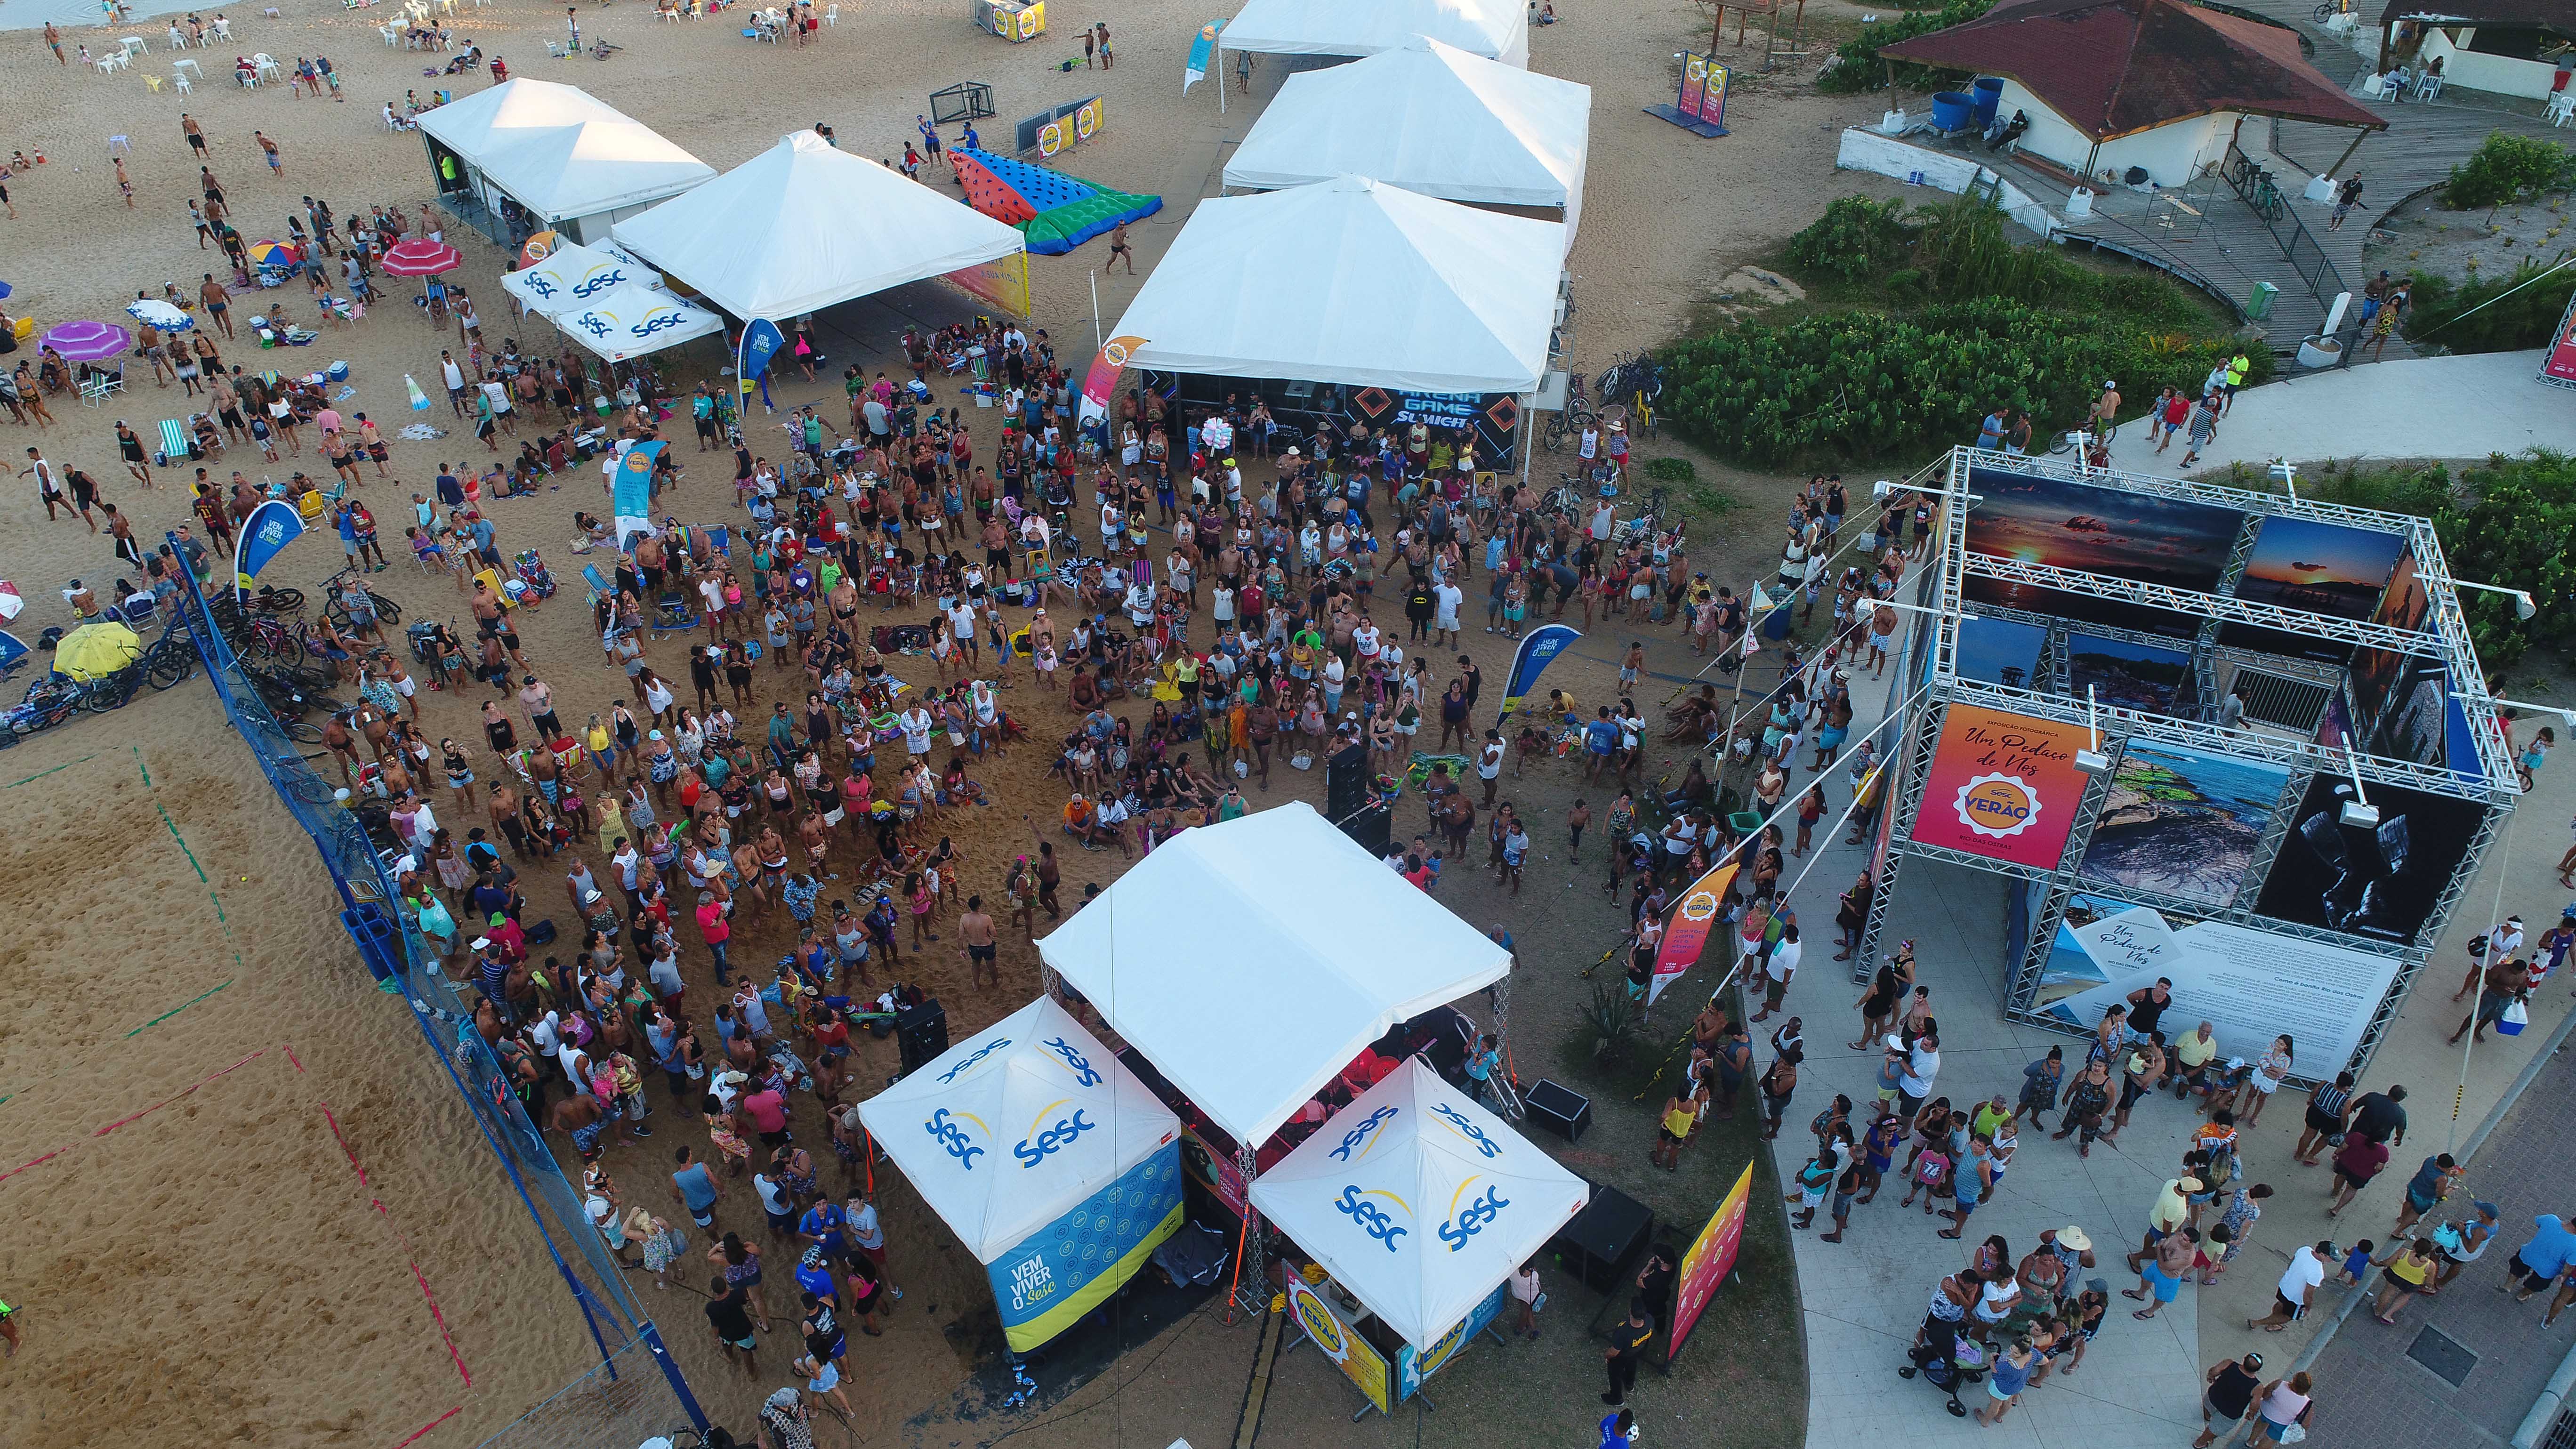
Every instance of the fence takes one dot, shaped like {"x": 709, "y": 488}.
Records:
{"x": 2272, "y": 208}
{"x": 620, "y": 1393}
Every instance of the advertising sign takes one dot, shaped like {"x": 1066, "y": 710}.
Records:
{"x": 1687, "y": 933}
{"x": 1195, "y": 69}
{"x": 1704, "y": 89}
{"x": 1070, "y": 1266}
{"x": 1004, "y": 282}
{"x": 2250, "y": 985}
{"x": 1710, "y": 1259}
{"x": 2560, "y": 368}
{"x": 269, "y": 528}
{"x": 1216, "y": 1172}
{"x": 1341, "y": 1343}
{"x": 1539, "y": 648}
{"x": 1491, "y": 420}
{"x": 2002, "y": 786}
{"x": 2379, "y": 882}
{"x": 2180, "y": 822}
{"x": 1411, "y": 1368}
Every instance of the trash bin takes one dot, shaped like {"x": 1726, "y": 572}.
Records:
{"x": 2259, "y": 306}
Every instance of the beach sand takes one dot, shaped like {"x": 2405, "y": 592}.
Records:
{"x": 215, "y": 1269}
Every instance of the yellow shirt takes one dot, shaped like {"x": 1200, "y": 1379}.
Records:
{"x": 2191, "y": 1051}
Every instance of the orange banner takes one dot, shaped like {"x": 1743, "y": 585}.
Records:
{"x": 2003, "y": 786}
{"x": 1687, "y": 934}
{"x": 1709, "y": 1260}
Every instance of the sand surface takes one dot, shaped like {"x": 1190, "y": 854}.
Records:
{"x": 215, "y": 1268}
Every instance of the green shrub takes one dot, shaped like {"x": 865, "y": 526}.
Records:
{"x": 1671, "y": 470}
{"x": 1870, "y": 383}
{"x": 2511, "y": 522}
{"x": 1858, "y": 67}
{"x": 2469, "y": 318}
{"x": 2508, "y": 167}
{"x": 1854, "y": 240}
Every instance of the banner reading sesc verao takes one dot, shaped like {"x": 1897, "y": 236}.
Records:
{"x": 2003, "y": 786}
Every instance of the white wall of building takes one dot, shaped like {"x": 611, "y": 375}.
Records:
{"x": 1941, "y": 170}
{"x": 2500, "y": 74}
{"x": 2172, "y": 154}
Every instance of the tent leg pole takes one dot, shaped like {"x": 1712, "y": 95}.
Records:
{"x": 1248, "y": 1246}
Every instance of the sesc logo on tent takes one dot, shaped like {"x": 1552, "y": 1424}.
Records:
{"x": 1998, "y": 806}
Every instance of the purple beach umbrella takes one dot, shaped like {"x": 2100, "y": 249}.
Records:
{"x": 88, "y": 341}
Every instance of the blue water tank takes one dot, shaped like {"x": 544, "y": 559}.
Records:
{"x": 1990, "y": 93}
{"x": 1951, "y": 111}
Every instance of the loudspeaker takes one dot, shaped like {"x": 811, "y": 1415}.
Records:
{"x": 920, "y": 1033}
{"x": 1559, "y": 1109}
{"x": 1350, "y": 800}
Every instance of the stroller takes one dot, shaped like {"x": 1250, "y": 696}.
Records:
{"x": 672, "y": 615}
{"x": 1946, "y": 1361}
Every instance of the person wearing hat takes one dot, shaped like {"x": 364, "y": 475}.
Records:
{"x": 2104, "y": 418}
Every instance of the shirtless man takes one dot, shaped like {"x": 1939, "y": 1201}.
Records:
{"x": 581, "y": 1115}
{"x": 982, "y": 953}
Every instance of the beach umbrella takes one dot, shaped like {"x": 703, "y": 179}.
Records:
{"x": 10, "y": 601}
{"x": 95, "y": 651}
{"x": 421, "y": 257}
{"x": 534, "y": 250}
{"x": 419, "y": 399}
{"x": 270, "y": 252}
{"x": 159, "y": 314}
{"x": 87, "y": 341}
{"x": 5, "y": 289}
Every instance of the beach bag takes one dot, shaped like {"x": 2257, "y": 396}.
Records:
{"x": 2516, "y": 1017}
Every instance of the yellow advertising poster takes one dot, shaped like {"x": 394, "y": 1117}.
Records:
{"x": 1711, "y": 1257}
{"x": 1004, "y": 282}
{"x": 1350, "y": 1353}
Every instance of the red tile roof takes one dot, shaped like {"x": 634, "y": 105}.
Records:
{"x": 2117, "y": 67}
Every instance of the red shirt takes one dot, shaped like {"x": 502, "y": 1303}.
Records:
{"x": 767, "y": 1112}
{"x": 2178, "y": 410}
{"x": 832, "y": 1034}
{"x": 712, "y": 924}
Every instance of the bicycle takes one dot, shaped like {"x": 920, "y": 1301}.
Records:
{"x": 172, "y": 658}
{"x": 386, "y": 610}
{"x": 2330, "y": 10}
{"x": 269, "y": 637}
{"x": 1572, "y": 419}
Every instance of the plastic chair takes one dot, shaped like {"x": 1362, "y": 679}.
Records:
{"x": 269, "y": 69}
{"x": 181, "y": 82}
{"x": 152, "y": 83}
{"x": 392, "y": 35}
{"x": 831, "y": 15}
{"x": 133, "y": 45}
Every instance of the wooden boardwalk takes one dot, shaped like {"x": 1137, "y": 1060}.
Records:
{"x": 2215, "y": 237}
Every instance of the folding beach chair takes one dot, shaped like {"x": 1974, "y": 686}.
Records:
{"x": 174, "y": 442}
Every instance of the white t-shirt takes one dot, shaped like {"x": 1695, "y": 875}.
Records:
{"x": 455, "y": 375}
{"x": 962, "y": 620}
{"x": 1920, "y": 1069}
{"x": 916, "y": 730}
{"x": 499, "y": 395}
{"x": 2306, "y": 1271}
{"x": 1489, "y": 761}
{"x": 1784, "y": 960}
{"x": 1444, "y": 601}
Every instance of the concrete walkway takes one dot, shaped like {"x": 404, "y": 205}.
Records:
{"x": 2140, "y": 1382}
{"x": 2462, "y": 407}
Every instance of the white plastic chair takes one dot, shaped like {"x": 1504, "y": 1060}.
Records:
{"x": 2561, "y": 106}
{"x": 221, "y": 30}
{"x": 107, "y": 64}
{"x": 189, "y": 66}
{"x": 269, "y": 69}
{"x": 181, "y": 82}
{"x": 831, "y": 15}
{"x": 119, "y": 143}
{"x": 178, "y": 38}
{"x": 393, "y": 36}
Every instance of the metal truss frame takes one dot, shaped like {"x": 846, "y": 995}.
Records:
{"x": 2358, "y": 632}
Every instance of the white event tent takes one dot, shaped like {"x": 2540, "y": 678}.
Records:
{"x": 573, "y": 161}
{"x": 803, "y": 225}
{"x": 569, "y": 276}
{"x": 608, "y": 302}
{"x": 1419, "y": 1201}
{"x": 1055, "y": 1166}
{"x": 1323, "y": 949}
{"x": 1352, "y": 281}
{"x": 1428, "y": 117}
{"x": 1495, "y": 29}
